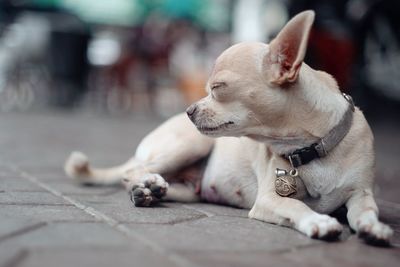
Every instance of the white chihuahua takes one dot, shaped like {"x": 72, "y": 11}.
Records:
{"x": 282, "y": 141}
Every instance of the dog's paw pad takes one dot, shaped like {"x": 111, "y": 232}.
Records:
{"x": 332, "y": 234}
{"x": 158, "y": 191}
{"x": 321, "y": 227}
{"x": 377, "y": 234}
{"x": 156, "y": 183}
{"x": 141, "y": 196}
{"x": 150, "y": 189}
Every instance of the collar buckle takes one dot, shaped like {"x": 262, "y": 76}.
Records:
{"x": 295, "y": 160}
{"x": 304, "y": 155}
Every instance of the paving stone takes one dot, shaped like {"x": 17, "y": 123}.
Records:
{"x": 49, "y": 173}
{"x": 165, "y": 213}
{"x": 70, "y": 235}
{"x": 69, "y": 187}
{"x": 95, "y": 257}
{"x": 390, "y": 214}
{"x": 73, "y": 189}
{"x": 42, "y": 213}
{"x": 350, "y": 253}
{"x": 92, "y": 196}
{"x": 32, "y": 198}
{"x": 8, "y": 256}
{"x": 39, "y": 229}
{"x": 10, "y": 227}
{"x": 222, "y": 233}
{"x": 79, "y": 245}
{"x": 389, "y": 211}
{"x": 4, "y": 175}
{"x": 213, "y": 209}
{"x": 67, "y": 133}
{"x": 18, "y": 184}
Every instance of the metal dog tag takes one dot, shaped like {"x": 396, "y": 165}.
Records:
{"x": 285, "y": 182}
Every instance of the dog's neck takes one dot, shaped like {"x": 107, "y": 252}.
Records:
{"x": 317, "y": 107}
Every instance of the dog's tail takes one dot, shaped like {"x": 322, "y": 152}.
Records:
{"x": 77, "y": 167}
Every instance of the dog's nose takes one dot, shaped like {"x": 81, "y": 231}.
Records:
{"x": 191, "y": 111}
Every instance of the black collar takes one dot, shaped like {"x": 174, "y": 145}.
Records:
{"x": 321, "y": 148}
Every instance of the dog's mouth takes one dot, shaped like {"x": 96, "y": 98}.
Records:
{"x": 214, "y": 129}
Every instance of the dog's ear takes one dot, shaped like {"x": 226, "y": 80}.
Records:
{"x": 288, "y": 49}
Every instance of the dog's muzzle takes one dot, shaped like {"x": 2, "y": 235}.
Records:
{"x": 192, "y": 111}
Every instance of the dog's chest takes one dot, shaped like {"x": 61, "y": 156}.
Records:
{"x": 327, "y": 184}
{"x": 321, "y": 179}
{"x": 229, "y": 177}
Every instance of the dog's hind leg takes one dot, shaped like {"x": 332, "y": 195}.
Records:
{"x": 363, "y": 218}
{"x": 182, "y": 193}
{"x": 169, "y": 148}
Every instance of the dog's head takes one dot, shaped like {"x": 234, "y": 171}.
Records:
{"x": 251, "y": 86}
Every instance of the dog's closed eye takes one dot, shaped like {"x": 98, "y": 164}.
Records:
{"x": 218, "y": 85}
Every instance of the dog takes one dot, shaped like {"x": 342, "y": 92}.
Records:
{"x": 273, "y": 136}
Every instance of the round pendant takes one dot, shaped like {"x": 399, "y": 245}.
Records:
{"x": 285, "y": 185}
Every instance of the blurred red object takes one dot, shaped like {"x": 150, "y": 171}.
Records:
{"x": 333, "y": 54}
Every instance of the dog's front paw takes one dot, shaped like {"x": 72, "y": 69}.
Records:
{"x": 374, "y": 232}
{"x": 149, "y": 189}
{"x": 320, "y": 226}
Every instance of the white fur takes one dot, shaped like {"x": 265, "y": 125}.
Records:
{"x": 368, "y": 223}
{"x": 76, "y": 164}
{"x": 319, "y": 225}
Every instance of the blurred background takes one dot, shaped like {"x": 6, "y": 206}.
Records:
{"x": 98, "y": 75}
{"x": 153, "y": 56}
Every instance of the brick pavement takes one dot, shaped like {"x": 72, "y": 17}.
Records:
{"x": 46, "y": 220}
